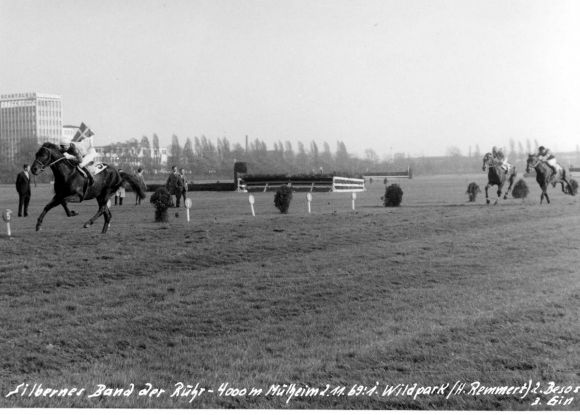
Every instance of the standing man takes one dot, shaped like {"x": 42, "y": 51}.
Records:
{"x": 174, "y": 185}
{"x": 184, "y": 183}
{"x": 23, "y": 189}
{"x": 142, "y": 180}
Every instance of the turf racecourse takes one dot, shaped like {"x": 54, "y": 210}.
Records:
{"x": 436, "y": 291}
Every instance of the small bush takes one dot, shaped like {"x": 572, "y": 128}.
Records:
{"x": 472, "y": 191}
{"x": 283, "y": 198}
{"x": 162, "y": 201}
{"x": 574, "y": 186}
{"x": 520, "y": 190}
{"x": 393, "y": 195}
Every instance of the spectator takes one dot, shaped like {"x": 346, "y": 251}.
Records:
{"x": 120, "y": 193}
{"x": 23, "y": 189}
{"x": 184, "y": 182}
{"x": 142, "y": 180}
{"x": 174, "y": 185}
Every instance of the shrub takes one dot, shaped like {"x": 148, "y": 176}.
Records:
{"x": 520, "y": 190}
{"x": 282, "y": 198}
{"x": 162, "y": 201}
{"x": 574, "y": 186}
{"x": 472, "y": 191}
{"x": 393, "y": 195}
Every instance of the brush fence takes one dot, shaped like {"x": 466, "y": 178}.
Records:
{"x": 323, "y": 184}
{"x": 403, "y": 174}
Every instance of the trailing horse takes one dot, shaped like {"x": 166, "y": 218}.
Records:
{"x": 71, "y": 186}
{"x": 545, "y": 176}
{"x": 497, "y": 176}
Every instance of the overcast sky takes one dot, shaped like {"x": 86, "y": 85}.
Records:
{"x": 410, "y": 76}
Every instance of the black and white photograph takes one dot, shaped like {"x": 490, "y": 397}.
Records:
{"x": 289, "y": 205}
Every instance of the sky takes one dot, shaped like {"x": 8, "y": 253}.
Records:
{"x": 396, "y": 76}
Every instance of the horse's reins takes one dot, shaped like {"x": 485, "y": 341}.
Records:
{"x": 48, "y": 165}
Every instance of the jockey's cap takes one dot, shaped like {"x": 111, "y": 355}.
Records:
{"x": 541, "y": 148}
{"x": 64, "y": 141}
{"x": 494, "y": 149}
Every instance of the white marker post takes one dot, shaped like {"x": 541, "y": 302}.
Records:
{"x": 252, "y": 200}
{"x": 188, "y": 206}
{"x": 6, "y": 216}
{"x": 309, "y": 199}
{"x": 353, "y": 200}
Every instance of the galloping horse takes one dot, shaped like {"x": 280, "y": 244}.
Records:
{"x": 497, "y": 176}
{"x": 71, "y": 186}
{"x": 545, "y": 176}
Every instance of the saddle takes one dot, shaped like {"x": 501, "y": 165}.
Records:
{"x": 92, "y": 170}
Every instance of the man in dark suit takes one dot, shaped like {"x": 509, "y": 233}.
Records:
{"x": 23, "y": 189}
{"x": 174, "y": 185}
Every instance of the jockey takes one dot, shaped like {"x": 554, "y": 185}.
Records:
{"x": 500, "y": 158}
{"x": 81, "y": 152}
{"x": 545, "y": 155}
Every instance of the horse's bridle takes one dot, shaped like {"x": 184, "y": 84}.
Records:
{"x": 44, "y": 166}
{"x": 536, "y": 161}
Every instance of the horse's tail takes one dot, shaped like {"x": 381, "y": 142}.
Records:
{"x": 135, "y": 183}
{"x": 568, "y": 180}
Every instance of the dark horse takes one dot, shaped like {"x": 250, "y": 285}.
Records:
{"x": 545, "y": 176}
{"x": 497, "y": 176}
{"x": 70, "y": 184}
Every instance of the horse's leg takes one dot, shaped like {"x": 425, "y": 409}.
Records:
{"x": 486, "y": 194}
{"x": 505, "y": 196}
{"x": 54, "y": 202}
{"x": 107, "y": 214}
{"x": 68, "y": 212}
{"x": 544, "y": 194}
{"x": 94, "y": 218}
{"x": 568, "y": 189}
{"x": 499, "y": 187}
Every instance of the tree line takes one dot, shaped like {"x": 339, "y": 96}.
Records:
{"x": 203, "y": 158}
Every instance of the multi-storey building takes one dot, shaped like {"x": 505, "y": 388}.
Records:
{"x": 27, "y": 120}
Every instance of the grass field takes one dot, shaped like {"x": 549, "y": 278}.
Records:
{"x": 438, "y": 291}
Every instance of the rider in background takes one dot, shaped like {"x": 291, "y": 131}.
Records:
{"x": 500, "y": 158}
{"x": 82, "y": 152}
{"x": 546, "y": 155}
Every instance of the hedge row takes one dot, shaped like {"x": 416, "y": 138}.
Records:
{"x": 200, "y": 187}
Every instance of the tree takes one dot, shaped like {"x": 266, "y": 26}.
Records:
{"x": 156, "y": 153}
{"x": 477, "y": 153}
{"x": 289, "y": 153}
{"x": 301, "y": 158}
{"x": 453, "y": 152}
{"x": 188, "y": 156}
{"x": 147, "y": 157}
{"x": 174, "y": 158}
{"x": 326, "y": 157}
{"x": 342, "y": 157}
{"x": 314, "y": 156}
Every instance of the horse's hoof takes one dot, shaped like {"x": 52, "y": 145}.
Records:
{"x": 488, "y": 202}
{"x": 38, "y": 228}
{"x": 86, "y": 225}
{"x": 74, "y": 213}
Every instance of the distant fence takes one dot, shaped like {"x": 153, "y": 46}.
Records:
{"x": 301, "y": 184}
{"x": 200, "y": 187}
{"x": 404, "y": 174}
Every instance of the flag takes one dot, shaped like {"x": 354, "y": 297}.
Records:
{"x": 82, "y": 133}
